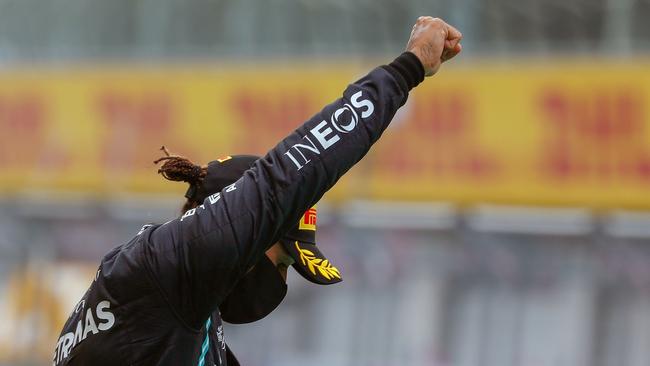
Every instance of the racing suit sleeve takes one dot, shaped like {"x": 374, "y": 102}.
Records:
{"x": 197, "y": 258}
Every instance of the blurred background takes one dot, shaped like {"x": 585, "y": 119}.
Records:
{"x": 503, "y": 220}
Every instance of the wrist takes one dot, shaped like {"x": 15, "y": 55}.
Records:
{"x": 408, "y": 68}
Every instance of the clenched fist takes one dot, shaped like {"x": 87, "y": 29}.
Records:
{"x": 433, "y": 41}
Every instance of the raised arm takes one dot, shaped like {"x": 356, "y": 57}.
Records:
{"x": 197, "y": 258}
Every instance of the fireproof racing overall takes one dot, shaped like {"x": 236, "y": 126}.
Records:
{"x": 154, "y": 300}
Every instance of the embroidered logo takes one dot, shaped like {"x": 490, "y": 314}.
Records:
{"x": 324, "y": 267}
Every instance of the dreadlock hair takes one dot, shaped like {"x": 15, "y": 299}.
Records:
{"x": 180, "y": 169}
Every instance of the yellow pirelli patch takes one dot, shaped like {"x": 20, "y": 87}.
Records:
{"x": 308, "y": 221}
{"x": 225, "y": 158}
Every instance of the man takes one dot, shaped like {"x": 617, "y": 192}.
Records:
{"x": 159, "y": 299}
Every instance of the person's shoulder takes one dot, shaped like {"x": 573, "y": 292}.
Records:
{"x": 127, "y": 260}
{"x": 141, "y": 235}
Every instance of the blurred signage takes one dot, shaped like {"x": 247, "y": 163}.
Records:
{"x": 568, "y": 134}
{"x": 34, "y": 306}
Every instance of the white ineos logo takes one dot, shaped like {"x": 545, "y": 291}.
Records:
{"x": 344, "y": 120}
{"x": 351, "y": 124}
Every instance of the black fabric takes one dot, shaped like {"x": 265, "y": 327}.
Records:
{"x": 408, "y": 67}
{"x": 256, "y": 294}
{"x": 151, "y": 298}
{"x": 311, "y": 263}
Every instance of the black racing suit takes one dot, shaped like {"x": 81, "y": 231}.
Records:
{"x": 154, "y": 300}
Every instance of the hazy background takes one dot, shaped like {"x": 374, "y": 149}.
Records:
{"x": 503, "y": 220}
